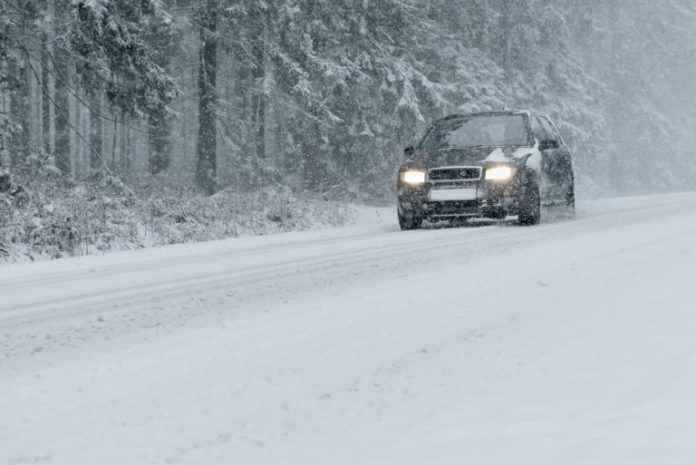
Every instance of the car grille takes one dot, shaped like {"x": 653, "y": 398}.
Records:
{"x": 458, "y": 173}
{"x": 454, "y": 176}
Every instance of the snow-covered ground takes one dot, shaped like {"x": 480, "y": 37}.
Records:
{"x": 568, "y": 343}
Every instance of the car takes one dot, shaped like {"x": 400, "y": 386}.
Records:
{"x": 486, "y": 165}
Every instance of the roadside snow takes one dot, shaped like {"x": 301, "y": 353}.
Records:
{"x": 567, "y": 343}
{"x": 51, "y": 219}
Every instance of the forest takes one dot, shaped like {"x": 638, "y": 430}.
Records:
{"x": 161, "y": 101}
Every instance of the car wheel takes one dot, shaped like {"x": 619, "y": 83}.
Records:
{"x": 530, "y": 211}
{"x": 570, "y": 201}
{"x": 407, "y": 224}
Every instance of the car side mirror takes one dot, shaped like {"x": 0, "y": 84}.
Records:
{"x": 548, "y": 144}
{"x": 409, "y": 151}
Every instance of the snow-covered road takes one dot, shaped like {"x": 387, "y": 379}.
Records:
{"x": 573, "y": 342}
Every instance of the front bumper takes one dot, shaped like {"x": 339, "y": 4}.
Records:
{"x": 492, "y": 201}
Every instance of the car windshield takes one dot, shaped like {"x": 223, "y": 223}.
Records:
{"x": 473, "y": 131}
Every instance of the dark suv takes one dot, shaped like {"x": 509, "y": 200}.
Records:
{"x": 486, "y": 165}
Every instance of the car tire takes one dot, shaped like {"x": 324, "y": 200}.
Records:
{"x": 570, "y": 201}
{"x": 407, "y": 224}
{"x": 530, "y": 211}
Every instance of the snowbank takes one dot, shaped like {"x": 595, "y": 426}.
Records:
{"x": 52, "y": 218}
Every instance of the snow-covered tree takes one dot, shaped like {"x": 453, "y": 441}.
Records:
{"x": 322, "y": 95}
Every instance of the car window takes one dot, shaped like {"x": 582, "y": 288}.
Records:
{"x": 549, "y": 129}
{"x": 538, "y": 129}
{"x": 470, "y": 131}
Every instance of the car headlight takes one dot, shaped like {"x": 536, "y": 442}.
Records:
{"x": 413, "y": 177}
{"x": 499, "y": 173}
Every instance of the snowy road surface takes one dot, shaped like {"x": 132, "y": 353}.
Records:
{"x": 569, "y": 343}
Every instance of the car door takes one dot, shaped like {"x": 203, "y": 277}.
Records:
{"x": 550, "y": 146}
{"x": 559, "y": 164}
{"x": 546, "y": 187}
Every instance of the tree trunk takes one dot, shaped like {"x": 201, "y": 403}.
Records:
{"x": 123, "y": 148}
{"x": 259, "y": 77}
{"x": 114, "y": 139}
{"x": 45, "y": 95}
{"x": 159, "y": 145}
{"x": 20, "y": 96}
{"x": 159, "y": 120}
{"x": 61, "y": 120}
{"x": 615, "y": 172}
{"x": 506, "y": 25}
{"x": 206, "y": 168}
{"x": 128, "y": 151}
{"x": 19, "y": 109}
{"x": 96, "y": 134}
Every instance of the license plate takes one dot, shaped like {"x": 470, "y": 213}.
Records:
{"x": 446, "y": 195}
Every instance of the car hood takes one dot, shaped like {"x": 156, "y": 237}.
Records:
{"x": 473, "y": 156}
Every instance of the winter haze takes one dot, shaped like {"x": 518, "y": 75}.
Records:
{"x": 201, "y": 260}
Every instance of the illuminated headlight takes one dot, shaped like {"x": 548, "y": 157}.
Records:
{"x": 499, "y": 173}
{"x": 413, "y": 177}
